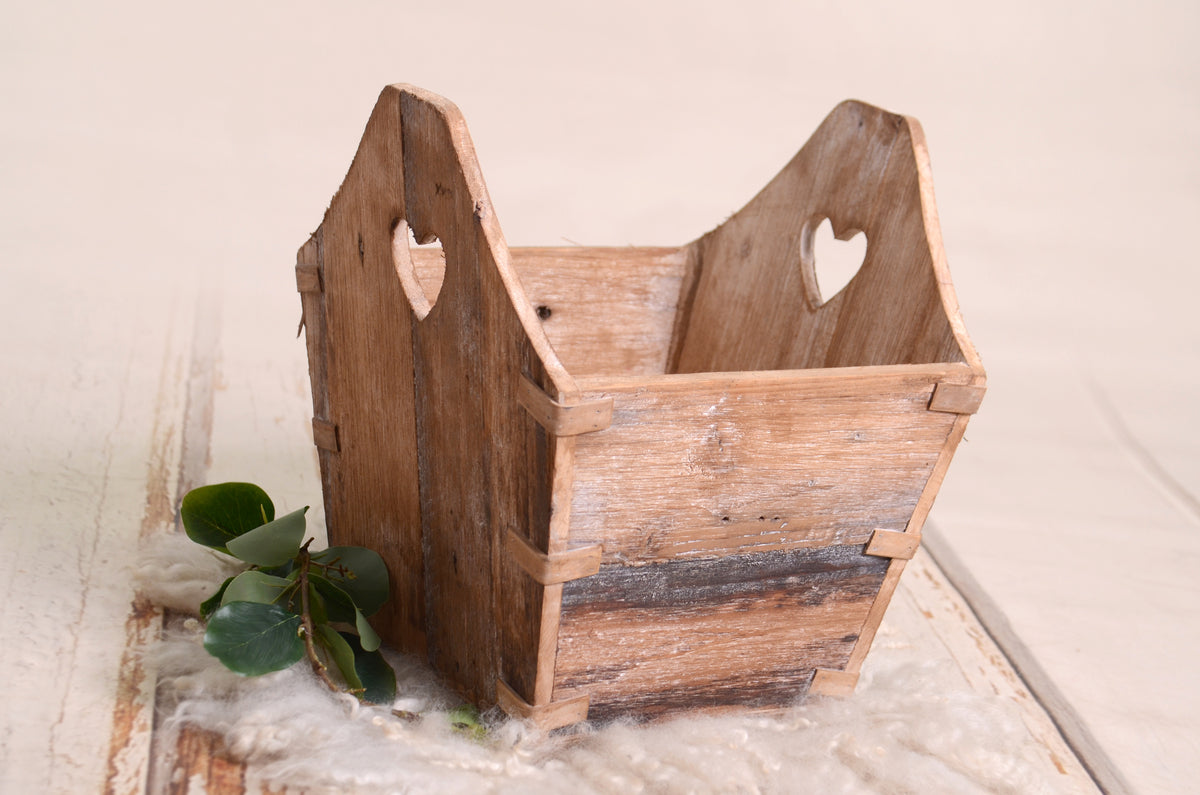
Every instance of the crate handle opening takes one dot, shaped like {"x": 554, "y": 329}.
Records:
{"x": 827, "y": 274}
{"x": 420, "y": 265}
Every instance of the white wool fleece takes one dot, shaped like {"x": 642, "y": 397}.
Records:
{"x": 902, "y": 732}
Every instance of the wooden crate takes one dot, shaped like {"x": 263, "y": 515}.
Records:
{"x": 634, "y": 481}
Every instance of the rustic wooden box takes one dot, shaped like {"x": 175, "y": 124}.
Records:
{"x": 633, "y": 481}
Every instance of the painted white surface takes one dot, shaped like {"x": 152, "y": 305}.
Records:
{"x": 142, "y": 142}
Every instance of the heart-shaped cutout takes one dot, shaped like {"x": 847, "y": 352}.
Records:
{"x": 832, "y": 262}
{"x": 420, "y": 266}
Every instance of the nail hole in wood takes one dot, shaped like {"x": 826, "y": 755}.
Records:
{"x": 421, "y": 267}
{"x": 544, "y": 312}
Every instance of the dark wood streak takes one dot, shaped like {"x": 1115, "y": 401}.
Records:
{"x": 743, "y": 630}
{"x": 806, "y": 576}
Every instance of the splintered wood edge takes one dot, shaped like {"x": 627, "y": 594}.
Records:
{"x": 957, "y": 398}
{"x": 563, "y": 420}
{"x": 557, "y": 568}
{"x": 554, "y": 715}
{"x": 827, "y": 682}
{"x": 894, "y": 544}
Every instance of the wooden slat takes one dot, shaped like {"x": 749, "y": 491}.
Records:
{"x": 486, "y": 467}
{"x": 308, "y": 278}
{"x": 709, "y": 465}
{"x": 828, "y": 682}
{"x": 371, "y": 485}
{"x": 560, "y": 420}
{"x": 325, "y": 435}
{"x": 547, "y": 716}
{"x": 751, "y": 304}
{"x": 607, "y": 311}
{"x": 746, "y": 630}
{"x": 957, "y": 398}
{"x": 552, "y": 569}
{"x": 894, "y": 544}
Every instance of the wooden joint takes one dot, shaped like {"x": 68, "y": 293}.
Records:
{"x": 308, "y": 279}
{"x": 563, "y": 420}
{"x": 555, "y": 568}
{"x": 827, "y": 682}
{"x": 956, "y": 398}
{"x": 894, "y": 544}
{"x": 554, "y": 715}
{"x": 325, "y": 435}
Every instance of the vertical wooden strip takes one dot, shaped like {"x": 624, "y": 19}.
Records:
{"x": 371, "y": 483}
{"x": 485, "y": 467}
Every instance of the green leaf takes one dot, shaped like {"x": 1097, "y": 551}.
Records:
{"x": 338, "y": 604}
{"x": 214, "y": 515}
{"x": 465, "y": 720}
{"x": 213, "y": 602}
{"x": 342, "y": 654}
{"x": 272, "y": 544}
{"x": 316, "y": 606}
{"x": 286, "y": 570}
{"x": 370, "y": 641}
{"x": 377, "y": 677}
{"x": 368, "y": 582}
{"x": 255, "y": 586}
{"x": 253, "y": 639}
{"x": 341, "y": 609}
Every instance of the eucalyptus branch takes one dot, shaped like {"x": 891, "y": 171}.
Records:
{"x": 255, "y": 623}
{"x": 306, "y": 621}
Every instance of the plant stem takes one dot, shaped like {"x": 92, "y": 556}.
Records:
{"x": 306, "y": 620}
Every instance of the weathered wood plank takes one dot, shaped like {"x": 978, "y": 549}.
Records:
{"x": 753, "y": 304}
{"x": 744, "y": 630}
{"x": 478, "y": 448}
{"x": 607, "y": 311}
{"x": 707, "y": 465}
{"x": 371, "y": 489}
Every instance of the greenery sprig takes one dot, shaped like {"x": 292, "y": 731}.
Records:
{"x": 289, "y": 603}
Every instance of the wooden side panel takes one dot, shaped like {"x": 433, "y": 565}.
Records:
{"x": 710, "y": 465}
{"x": 607, "y": 311}
{"x": 745, "y": 630}
{"x": 432, "y": 459}
{"x": 755, "y": 304}
{"x": 370, "y": 483}
{"x": 486, "y": 467}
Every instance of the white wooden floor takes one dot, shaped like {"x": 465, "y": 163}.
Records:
{"x": 159, "y": 167}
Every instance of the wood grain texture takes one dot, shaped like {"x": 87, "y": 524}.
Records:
{"x": 552, "y": 569}
{"x": 607, "y": 311}
{"x": 957, "y": 398}
{"x": 560, "y": 420}
{"x": 548, "y": 716}
{"x": 724, "y": 415}
{"x": 751, "y": 305}
{"x": 745, "y": 630}
{"x": 483, "y": 459}
{"x": 894, "y": 544}
{"x": 707, "y": 465}
{"x": 426, "y": 353}
{"x": 827, "y": 682}
{"x": 371, "y": 493}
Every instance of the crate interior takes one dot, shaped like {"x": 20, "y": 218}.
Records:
{"x": 617, "y": 312}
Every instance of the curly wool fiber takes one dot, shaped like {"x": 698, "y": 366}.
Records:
{"x": 902, "y": 732}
